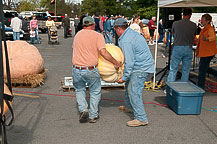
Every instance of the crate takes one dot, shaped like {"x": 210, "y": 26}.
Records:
{"x": 184, "y": 97}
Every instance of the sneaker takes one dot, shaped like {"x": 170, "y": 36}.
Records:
{"x": 84, "y": 117}
{"x": 124, "y": 109}
{"x": 136, "y": 123}
{"x": 93, "y": 120}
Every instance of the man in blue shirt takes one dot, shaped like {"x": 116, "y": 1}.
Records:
{"x": 138, "y": 63}
{"x": 107, "y": 30}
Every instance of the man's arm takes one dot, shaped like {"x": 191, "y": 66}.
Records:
{"x": 109, "y": 58}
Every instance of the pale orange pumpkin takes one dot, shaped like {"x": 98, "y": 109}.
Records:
{"x": 6, "y": 91}
{"x": 24, "y": 59}
{"x": 106, "y": 69}
{"x": 146, "y": 33}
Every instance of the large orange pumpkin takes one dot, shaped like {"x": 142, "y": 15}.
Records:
{"x": 106, "y": 69}
{"x": 24, "y": 59}
{"x": 6, "y": 91}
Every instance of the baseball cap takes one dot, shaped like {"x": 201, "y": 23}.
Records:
{"x": 88, "y": 20}
{"x": 120, "y": 22}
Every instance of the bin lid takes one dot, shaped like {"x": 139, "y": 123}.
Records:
{"x": 184, "y": 87}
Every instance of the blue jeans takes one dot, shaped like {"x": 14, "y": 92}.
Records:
{"x": 32, "y": 40}
{"x": 16, "y": 36}
{"x": 92, "y": 78}
{"x": 161, "y": 38}
{"x": 184, "y": 54}
{"x": 37, "y": 36}
{"x": 108, "y": 37}
{"x": 133, "y": 95}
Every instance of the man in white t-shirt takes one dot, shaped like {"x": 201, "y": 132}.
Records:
{"x": 16, "y": 25}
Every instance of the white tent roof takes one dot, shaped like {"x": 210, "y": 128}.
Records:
{"x": 187, "y": 3}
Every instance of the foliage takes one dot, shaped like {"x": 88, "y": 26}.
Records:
{"x": 205, "y": 10}
{"x": 92, "y": 6}
{"x": 148, "y": 12}
{"x": 27, "y": 5}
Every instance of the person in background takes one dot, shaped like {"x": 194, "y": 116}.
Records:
{"x": 138, "y": 64}
{"x": 32, "y": 35}
{"x": 107, "y": 30}
{"x": 184, "y": 32}
{"x": 152, "y": 28}
{"x": 101, "y": 24}
{"x": 25, "y": 24}
{"x": 76, "y": 22}
{"x": 16, "y": 25}
{"x": 161, "y": 32}
{"x": 97, "y": 20}
{"x": 112, "y": 25}
{"x": 87, "y": 46}
{"x": 80, "y": 25}
{"x": 49, "y": 23}
{"x": 139, "y": 22}
{"x": 135, "y": 26}
{"x": 66, "y": 25}
{"x": 34, "y": 24}
{"x": 206, "y": 48}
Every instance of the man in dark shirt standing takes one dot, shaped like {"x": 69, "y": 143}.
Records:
{"x": 66, "y": 25}
{"x": 184, "y": 33}
{"x": 96, "y": 19}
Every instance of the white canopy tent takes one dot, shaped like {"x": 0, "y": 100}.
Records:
{"x": 179, "y": 3}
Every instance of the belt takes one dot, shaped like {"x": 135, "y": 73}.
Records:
{"x": 84, "y": 68}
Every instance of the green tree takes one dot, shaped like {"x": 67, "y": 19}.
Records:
{"x": 27, "y": 5}
{"x": 61, "y": 7}
{"x": 92, "y": 6}
{"x": 147, "y": 12}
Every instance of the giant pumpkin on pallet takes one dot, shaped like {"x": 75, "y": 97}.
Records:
{"x": 106, "y": 69}
{"x": 6, "y": 91}
{"x": 24, "y": 59}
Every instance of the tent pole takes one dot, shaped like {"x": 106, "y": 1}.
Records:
{"x": 155, "y": 56}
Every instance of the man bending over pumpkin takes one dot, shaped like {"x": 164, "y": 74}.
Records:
{"x": 87, "y": 46}
{"x": 138, "y": 63}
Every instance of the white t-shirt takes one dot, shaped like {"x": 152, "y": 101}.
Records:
{"x": 32, "y": 33}
{"x": 135, "y": 27}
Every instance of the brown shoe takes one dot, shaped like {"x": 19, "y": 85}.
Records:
{"x": 136, "y": 123}
{"x": 93, "y": 120}
{"x": 124, "y": 109}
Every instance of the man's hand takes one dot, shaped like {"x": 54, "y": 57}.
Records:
{"x": 120, "y": 81}
{"x": 117, "y": 65}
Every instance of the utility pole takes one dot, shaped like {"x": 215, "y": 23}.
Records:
{"x": 55, "y": 7}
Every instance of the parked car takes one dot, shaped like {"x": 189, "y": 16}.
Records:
{"x": 9, "y": 33}
{"x": 9, "y": 14}
{"x": 27, "y": 13}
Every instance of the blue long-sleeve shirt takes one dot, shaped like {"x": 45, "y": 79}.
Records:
{"x": 137, "y": 54}
{"x": 107, "y": 26}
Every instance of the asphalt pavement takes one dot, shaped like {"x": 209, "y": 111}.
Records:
{"x": 51, "y": 117}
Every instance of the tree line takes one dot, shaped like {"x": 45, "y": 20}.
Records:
{"x": 145, "y": 8}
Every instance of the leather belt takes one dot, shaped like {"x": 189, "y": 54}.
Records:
{"x": 84, "y": 68}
